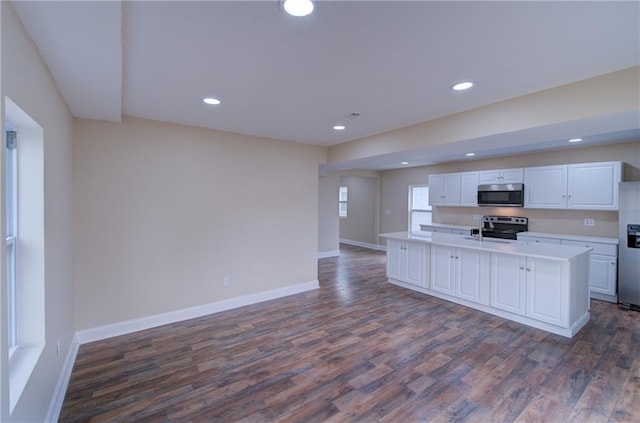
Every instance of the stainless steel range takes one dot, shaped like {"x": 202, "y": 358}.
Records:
{"x": 505, "y": 227}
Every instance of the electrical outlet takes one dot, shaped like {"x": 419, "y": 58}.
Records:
{"x": 387, "y": 212}
{"x": 589, "y": 222}
{"x": 226, "y": 281}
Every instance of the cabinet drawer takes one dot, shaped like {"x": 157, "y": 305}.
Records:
{"x": 539, "y": 239}
{"x": 598, "y": 248}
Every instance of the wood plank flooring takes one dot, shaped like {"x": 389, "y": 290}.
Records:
{"x": 361, "y": 350}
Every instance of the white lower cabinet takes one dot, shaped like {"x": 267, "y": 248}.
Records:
{"x": 602, "y": 274}
{"x": 508, "y": 283}
{"x": 603, "y": 264}
{"x": 530, "y": 287}
{"x": 546, "y": 292}
{"x": 406, "y": 262}
{"x": 459, "y": 272}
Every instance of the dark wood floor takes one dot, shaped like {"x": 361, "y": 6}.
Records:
{"x": 361, "y": 349}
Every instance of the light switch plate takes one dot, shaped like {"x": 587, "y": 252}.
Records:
{"x": 589, "y": 222}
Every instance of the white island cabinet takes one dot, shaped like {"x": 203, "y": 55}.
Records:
{"x": 603, "y": 260}
{"x": 406, "y": 261}
{"x": 544, "y": 286}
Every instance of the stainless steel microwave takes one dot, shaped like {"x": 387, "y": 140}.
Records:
{"x": 501, "y": 195}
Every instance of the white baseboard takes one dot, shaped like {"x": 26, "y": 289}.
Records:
{"x": 363, "y": 244}
{"x": 326, "y": 254}
{"x": 130, "y": 326}
{"x": 63, "y": 382}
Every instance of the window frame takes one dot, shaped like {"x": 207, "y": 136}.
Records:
{"x": 11, "y": 240}
{"x": 343, "y": 206}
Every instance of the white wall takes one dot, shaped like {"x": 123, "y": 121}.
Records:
{"x": 27, "y": 81}
{"x": 164, "y": 212}
{"x": 328, "y": 219}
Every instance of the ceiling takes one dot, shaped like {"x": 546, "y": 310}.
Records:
{"x": 293, "y": 79}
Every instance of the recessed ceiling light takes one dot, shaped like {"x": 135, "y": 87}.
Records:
{"x": 211, "y": 100}
{"x": 470, "y": 154}
{"x": 575, "y": 140}
{"x": 405, "y": 163}
{"x": 298, "y": 8}
{"x": 461, "y": 86}
{"x": 339, "y": 127}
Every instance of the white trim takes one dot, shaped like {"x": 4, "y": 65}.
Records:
{"x": 326, "y": 254}
{"x": 362, "y": 244}
{"x": 63, "y": 382}
{"x": 130, "y": 326}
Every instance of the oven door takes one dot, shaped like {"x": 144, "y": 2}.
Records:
{"x": 501, "y": 195}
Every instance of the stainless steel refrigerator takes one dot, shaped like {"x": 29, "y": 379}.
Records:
{"x": 629, "y": 246}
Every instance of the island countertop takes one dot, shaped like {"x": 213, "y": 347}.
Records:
{"x": 521, "y": 248}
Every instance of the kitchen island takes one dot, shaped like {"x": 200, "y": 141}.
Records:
{"x": 544, "y": 286}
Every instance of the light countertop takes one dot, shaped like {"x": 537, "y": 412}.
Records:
{"x": 584, "y": 238}
{"x": 447, "y": 225}
{"x": 521, "y": 248}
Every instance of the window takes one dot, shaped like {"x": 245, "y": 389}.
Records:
{"x": 24, "y": 238}
{"x": 342, "y": 201}
{"x": 419, "y": 207}
{"x": 11, "y": 202}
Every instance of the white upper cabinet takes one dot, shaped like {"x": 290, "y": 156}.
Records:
{"x": 469, "y": 189}
{"x": 545, "y": 187}
{"x": 593, "y": 186}
{"x": 444, "y": 189}
{"x": 586, "y": 186}
{"x": 501, "y": 176}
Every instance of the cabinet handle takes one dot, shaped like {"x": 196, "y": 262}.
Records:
{"x": 451, "y": 256}
{"x": 521, "y": 268}
{"x": 564, "y": 196}
{"x": 613, "y": 263}
{"x": 528, "y": 270}
{"x": 457, "y": 257}
{"x": 569, "y": 196}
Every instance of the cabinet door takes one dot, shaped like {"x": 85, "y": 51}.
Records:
{"x": 512, "y": 176}
{"x": 602, "y": 274}
{"x": 442, "y": 269}
{"x": 469, "y": 189}
{"x": 546, "y": 293}
{"x": 436, "y": 194}
{"x": 469, "y": 274}
{"x": 593, "y": 186}
{"x": 545, "y": 187}
{"x": 415, "y": 263}
{"x": 489, "y": 177}
{"x": 508, "y": 287}
{"x": 451, "y": 189}
{"x": 394, "y": 259}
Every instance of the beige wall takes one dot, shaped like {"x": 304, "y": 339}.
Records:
{"x": 395, "y": 183}
{"x": 361, "y": 222}
{"x": 328, "y": 219}
{"x": 27, "y": 82}
{"x": 164, "y": 212}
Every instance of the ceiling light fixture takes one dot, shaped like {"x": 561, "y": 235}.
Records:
{"x": 461, "y": 86}
{"x": 405, "y": 163}
{"x": 575, "y": 140}
{"x": 211, "y": 100}
{"x": 470, "y": 154}
{"x": 339, "y": 127}
{"x": 298, "y": 8}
